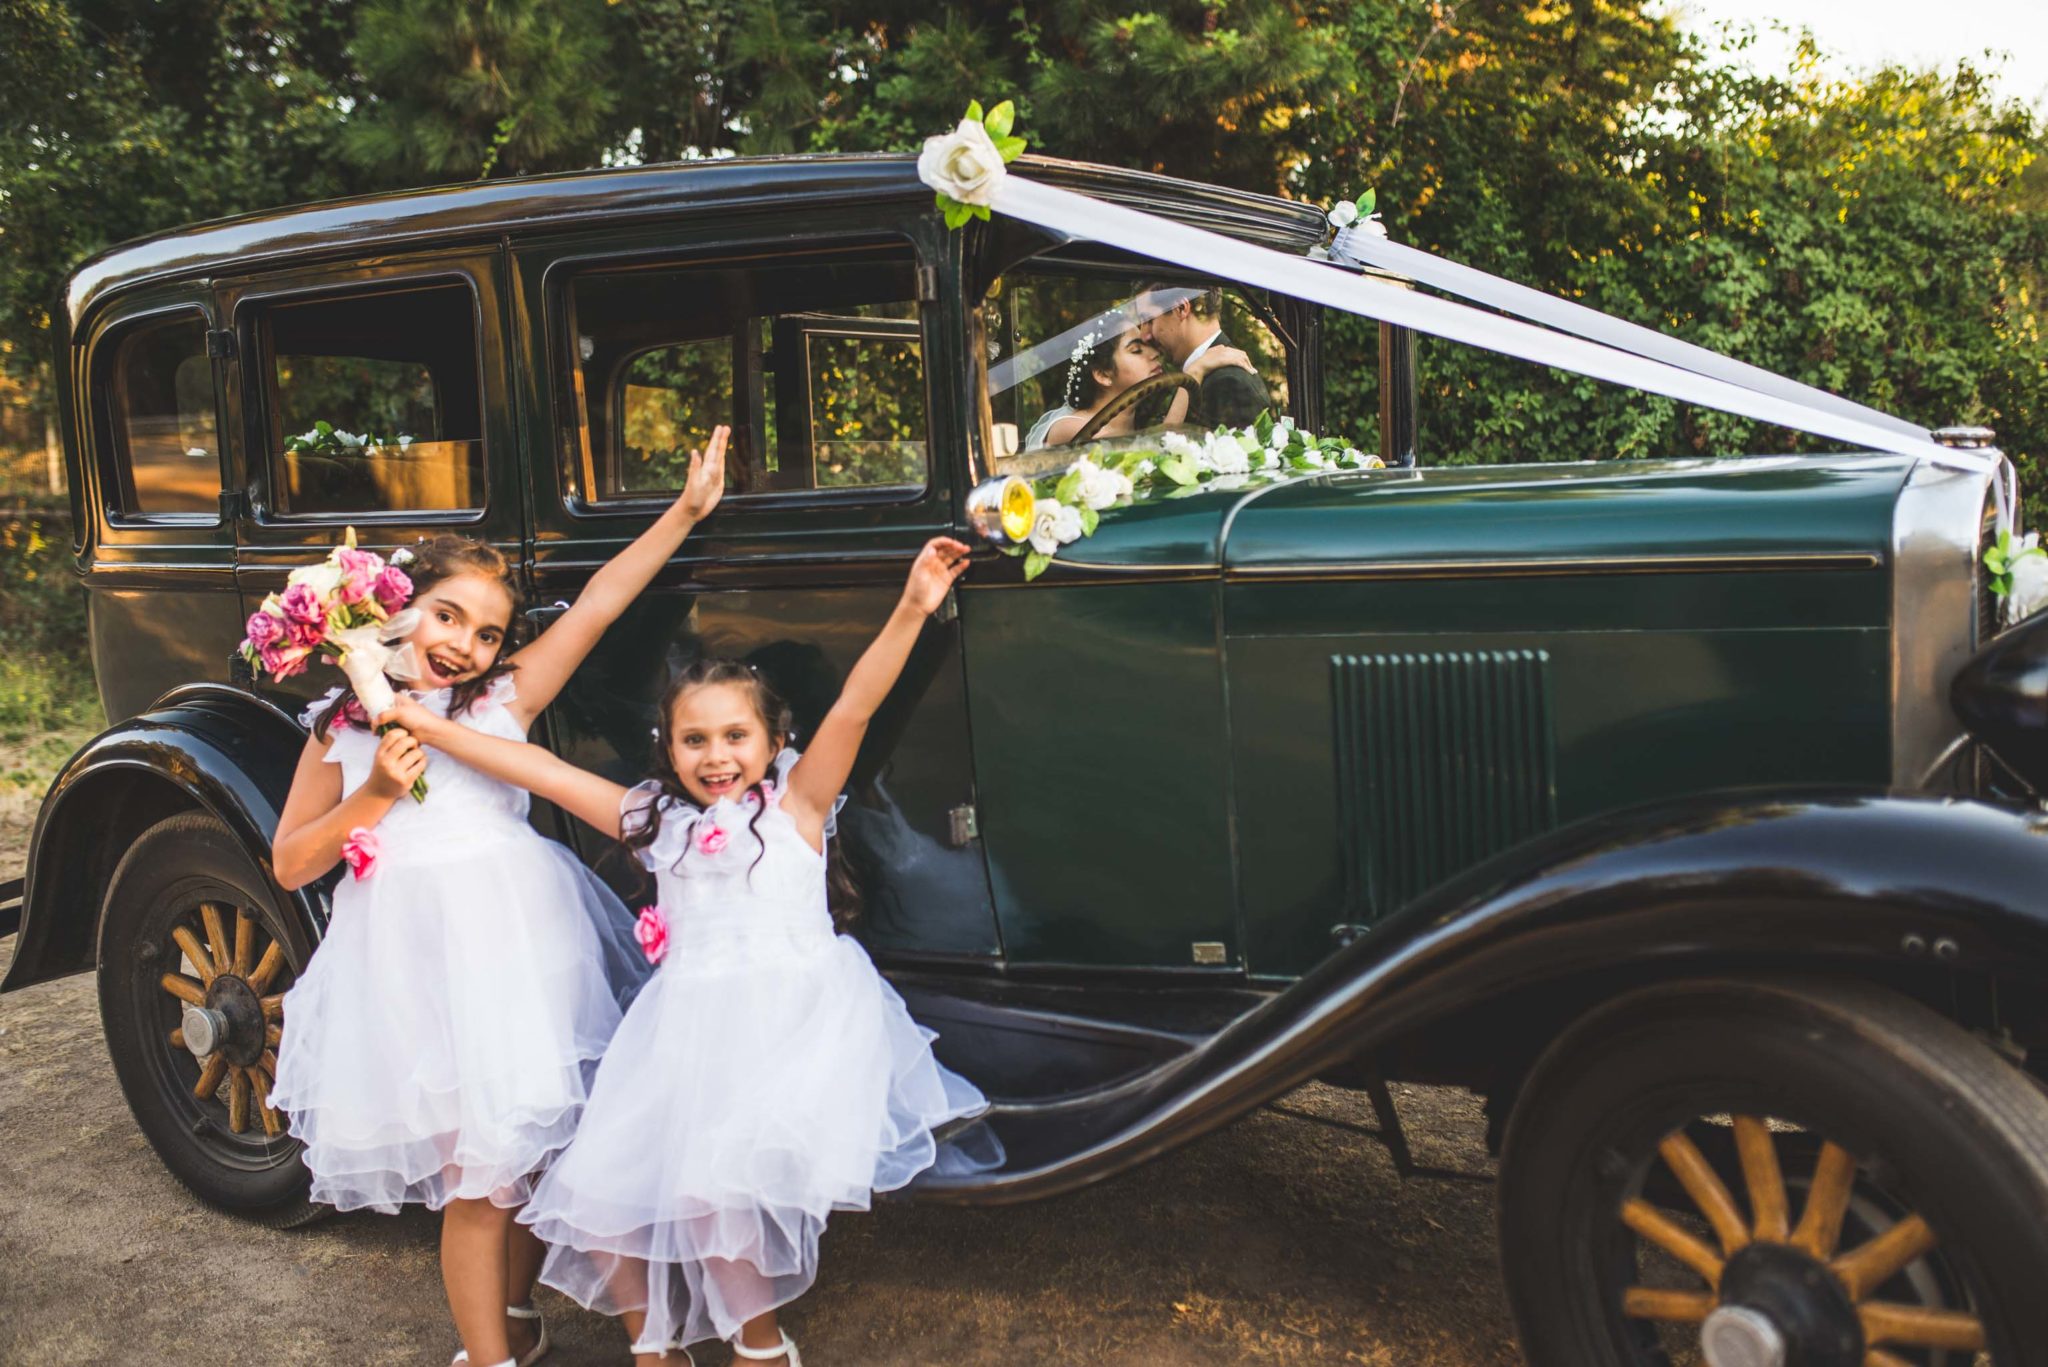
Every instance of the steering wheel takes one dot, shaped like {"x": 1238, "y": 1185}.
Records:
{"x": 1138, "y": 393}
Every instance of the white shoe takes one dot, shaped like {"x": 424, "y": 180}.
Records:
{"x": 787, "y": 1346}
{"x": 672, "y": 1346}
{"x": 530, "y": 1311}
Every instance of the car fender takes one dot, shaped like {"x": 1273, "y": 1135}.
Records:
{"x": 1888, "y": 888}
{"x": 206, "y": 747}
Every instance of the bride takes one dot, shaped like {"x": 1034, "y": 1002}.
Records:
{"x": 1102, "y": 369}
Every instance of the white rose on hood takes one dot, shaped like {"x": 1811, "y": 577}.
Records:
{"x": 1045, "y": 537}
{"x": 1066, "y": 523}
{"x": 2029, "y": 587}
{"x": 1344, "y": 214}
{"x": 1226, "y": 455}
{"x": 963, "y": 164}
{"x": 1099, "y": 487}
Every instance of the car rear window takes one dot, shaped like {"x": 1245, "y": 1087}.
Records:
{"x": 817, "y": 364}
{"x": 392, "y": 374}
{"x": 162, "y": 417}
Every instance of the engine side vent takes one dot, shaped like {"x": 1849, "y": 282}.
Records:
{"x": 1442, "y": 761}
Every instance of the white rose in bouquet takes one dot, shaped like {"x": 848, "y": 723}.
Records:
{"x": 963, "y": 164}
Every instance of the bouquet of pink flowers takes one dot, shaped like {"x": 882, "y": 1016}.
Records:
{"x": 350, "y": 609}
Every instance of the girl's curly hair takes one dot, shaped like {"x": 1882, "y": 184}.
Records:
{"x": 842, "y": 893}
{"x": 445, "y": 557}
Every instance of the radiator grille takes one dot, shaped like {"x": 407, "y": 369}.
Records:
{"x": 1442, "y": 761}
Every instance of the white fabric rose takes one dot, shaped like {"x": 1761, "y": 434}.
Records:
{"x": 1099, "y": 488}
{"x": 1226, "y": 455}
{"x": 1343, "y": 215}
{"x": 1045, "y": 537}
{"x": 2029, "y": 587}
{"x": 1066, "y": 523}
{"x": 1146, "y": 467}
{"x": 963, "y": 164}
{"x": 1176, "y": 444}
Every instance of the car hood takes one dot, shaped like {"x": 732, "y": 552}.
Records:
{"x": 1598, "y": 510}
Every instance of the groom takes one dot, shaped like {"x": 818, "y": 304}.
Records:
{"x": 1183, "y": 324}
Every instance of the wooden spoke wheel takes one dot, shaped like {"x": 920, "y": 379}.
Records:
{"x": 1775, "y": 1175}
{"x": 195, "y": 960}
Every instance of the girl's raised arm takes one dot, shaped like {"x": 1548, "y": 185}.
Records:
{"x": 545, "y": 666}
{"x": 815, "y": 782}
{"x": 591, "y": 797}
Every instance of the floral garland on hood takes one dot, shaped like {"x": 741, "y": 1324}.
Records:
{"x": 1036, "y": 518}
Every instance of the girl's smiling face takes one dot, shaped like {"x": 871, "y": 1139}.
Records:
{"x": 718, "y": 741}
{"x": 463, "y": 623}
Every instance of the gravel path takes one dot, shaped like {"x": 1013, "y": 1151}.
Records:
{"x": 1276, "y": 1240}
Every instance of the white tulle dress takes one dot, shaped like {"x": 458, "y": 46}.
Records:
{"x": 441, "y": 1041}
{"x": 765, "y": 1077}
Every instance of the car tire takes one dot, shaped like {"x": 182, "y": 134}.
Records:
{"x": 1608, "y": 1255}
{"x": 188, "y": 891}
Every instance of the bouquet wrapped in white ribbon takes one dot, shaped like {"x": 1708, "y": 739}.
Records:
{"x": 350, "y": 610}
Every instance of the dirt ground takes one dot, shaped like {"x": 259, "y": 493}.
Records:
{"x": 1277, "y": 1240}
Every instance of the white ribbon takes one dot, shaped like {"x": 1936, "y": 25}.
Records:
{"x": 368, "y": 657}
{"x": 1706, "y": 379}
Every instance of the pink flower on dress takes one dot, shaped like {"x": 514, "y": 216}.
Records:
{"x": 767, "y": 794}
{"x": 361, "y": 850}
{"x": 710, "y": 838}
{"x": 392, "y": 588}
{"x": 651, "y": 930}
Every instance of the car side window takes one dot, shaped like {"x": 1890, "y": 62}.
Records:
{"x": 1067, "y": 340}
{"x": 816, "y": 363}
{"x": 374, "y": 401}
{"x": 160, "y": 417}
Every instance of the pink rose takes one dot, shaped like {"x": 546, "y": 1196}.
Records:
{"x": 282, "y": 661}
{"x": 302, "y": 606}
{"x": 350, "y": 713}
{"x": 264, "y": 629}
{"x": 710, "y": 839}
{"x": 361, "y": 850}
{"x": 359, "y": 570}
{"x": 392, "y": 588}
{"x": 651, "y": 930}
{"x": 305, "y": 635}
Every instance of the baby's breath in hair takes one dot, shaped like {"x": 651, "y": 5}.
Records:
{"x": 1077, "y": 365}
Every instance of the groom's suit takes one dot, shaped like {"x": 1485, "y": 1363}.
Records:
{"x": 1231, "y": 396}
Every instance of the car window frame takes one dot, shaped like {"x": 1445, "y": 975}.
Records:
{"x": 578, "y": 474}
{"x": 257, "y": 385}
{"x": 113, "y": 466}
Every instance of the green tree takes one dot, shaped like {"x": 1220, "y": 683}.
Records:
{"x": 458, "y": 89}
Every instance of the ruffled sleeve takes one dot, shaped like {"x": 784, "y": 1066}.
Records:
{"x": 488, "y": 713}
{"x": 339, "y": 731}
{"x": 779, "y": 771}
{"x": 678, "y": 820}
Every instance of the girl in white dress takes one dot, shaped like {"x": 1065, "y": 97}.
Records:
{"x": 439, "y": 1045}
{"x": 767, "y": 1076}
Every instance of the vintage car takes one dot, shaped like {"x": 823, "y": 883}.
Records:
{"x": 1631, "y": 795}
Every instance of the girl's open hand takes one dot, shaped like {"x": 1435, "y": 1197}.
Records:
{"x": 942, "y": 561}
{"x": 400, "y": 761}
{"x": 705, "y": 484}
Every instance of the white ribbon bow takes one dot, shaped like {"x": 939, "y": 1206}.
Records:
{"x": 369, "y": 660}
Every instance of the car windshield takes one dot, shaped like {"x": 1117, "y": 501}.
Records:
{"x": 1083, "y": 357}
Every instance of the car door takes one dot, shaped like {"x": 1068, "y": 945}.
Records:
{"x": 818, "y": 351}
{"x": 409, "y": 347}
{"x": 162, "y": 607}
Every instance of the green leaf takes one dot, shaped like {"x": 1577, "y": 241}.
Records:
{"x": 1263, "y": 426}
{"x": 999, "y": 120}
{"x": 1090, "y": 520}
{"x": 1994, "y": 560}
{"x": 974, "y": 110}
{"x": 1069, "y": 485}
{"x": 324, "y": 428}
{"x": 1034, "y": 565}
{"x": 957, "y": 213}
{"x": 1010, "y": 148}
{"x": 1177, "y": 469}
{"x": 979, "y": 211}
{"x": 1366, "y": 201}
